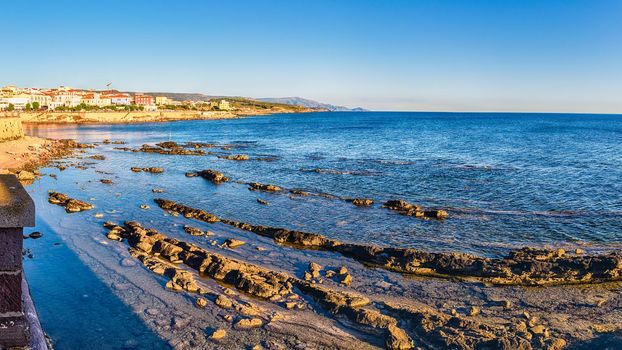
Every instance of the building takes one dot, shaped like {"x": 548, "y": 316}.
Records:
{"x": 55, "y": 104}
{"x": 95, "y": 99}
{"x": 162, "y": 100}
{"x": 18, "y": 103}
{"x": 118, "y": 98}
{"x": 224, "y": 105}
{"x": 39, "y": 97}
{"x": 66, "y": 98}
{"x": 143, "y": 100}
{"x": 9, "y": 90}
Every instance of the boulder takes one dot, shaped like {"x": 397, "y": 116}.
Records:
{"x": 249, "y": 323}
{"x": 233, "y": 243}
{"x": 218, "y": 334}
{"x": 256, "y": 186}
{"x": 223, "y": 302}
{"x": 71, "y": 205}
{"x": 213, "y": 176}
{"x": 193, "y": 231}
{"x": 315, "y": 269}
{"x": 362, "y": 202}
{"x": 35, "y": 235}
{"x": 201, "y": 302}
{"x": 154, "y": 170}
{"x": 238, "y": 157}
{"x": 24, "y": 175}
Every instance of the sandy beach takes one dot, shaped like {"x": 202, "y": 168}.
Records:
{"x": 27, "y": 153}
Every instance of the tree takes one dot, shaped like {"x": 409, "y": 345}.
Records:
{"x": 11, "y": 107}
{"x": 36, "y": 105}
{"x": 28, "y": 107}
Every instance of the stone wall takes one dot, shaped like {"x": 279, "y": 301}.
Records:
{"x": 10, "y": 128}
{"x": 17, "y": 210}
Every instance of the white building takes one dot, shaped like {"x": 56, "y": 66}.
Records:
{"x": 37, "y": 96}
{"x": 119, "y": 99}
{"x": 18, "y": 102}
{"x": 95, "y": 99}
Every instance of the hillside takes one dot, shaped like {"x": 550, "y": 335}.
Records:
{"x": 291, "y": 101}
{"x": 299, "y": 101}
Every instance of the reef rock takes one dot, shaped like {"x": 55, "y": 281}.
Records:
{"x": 213, "y": 176}
{"x": 71, "y": 205}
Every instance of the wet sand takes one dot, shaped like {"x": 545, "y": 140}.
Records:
{"x": 28, "y": 153}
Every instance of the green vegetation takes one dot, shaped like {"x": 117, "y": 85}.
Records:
{"x": 28, "y": 107}
{"x": 239, "y": 102}
{"x": 36, "y": 106}
{"x": 236, "y": 104}
{"x": 82, "y": 107}
{"x": 11, "y": 107}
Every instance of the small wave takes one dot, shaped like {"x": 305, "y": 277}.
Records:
{"x": 548, "y": 213}
{"x": 394, "y": 162}
{"x": 340, "y": 172}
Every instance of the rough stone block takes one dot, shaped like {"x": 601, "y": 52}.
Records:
{"x": 11, "y": 240}
{"x": 11, "y": 292}
{"x": 13, "y": 332}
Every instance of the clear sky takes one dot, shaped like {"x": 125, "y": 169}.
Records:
{"x": 470, "y": 55}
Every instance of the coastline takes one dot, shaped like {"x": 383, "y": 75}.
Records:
{"x": 28, "y": 154}
{"x": 144, "y": 117}
{"x": 396, "y": 288}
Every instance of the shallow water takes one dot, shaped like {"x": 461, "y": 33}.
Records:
{"x": 507, "y": 179}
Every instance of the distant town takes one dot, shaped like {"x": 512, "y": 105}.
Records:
{"x": 65, "y": 98}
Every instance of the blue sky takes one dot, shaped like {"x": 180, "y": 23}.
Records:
{"x": 563, "y": 56}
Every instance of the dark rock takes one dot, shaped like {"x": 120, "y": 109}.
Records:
{"x": 193, "y": 231}
{"x": 401, "y": 205}
{"x": 256, "y": 186}
{"x": 71, "y": 205}
{"x": 233, "y": 243}
{"x": 410, "y": 209}
{"x": 154, "y": 170}
{"x": 213, "y": 176}
{"x": 167, "y": 144}
{"x": 238, "y": 157}
{"x": 361, "y": 202}
{"x": 35, "y": 235}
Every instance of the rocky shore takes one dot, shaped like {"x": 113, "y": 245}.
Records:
{"x": 23, "y": 157}
{"x": 527, "y": 266}
{"x": 162, "y": 255}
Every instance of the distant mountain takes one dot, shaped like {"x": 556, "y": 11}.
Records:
{"x": 183, "y": 96}
{"x": 299, "y": 101}
{"x": 293, "y": 101}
